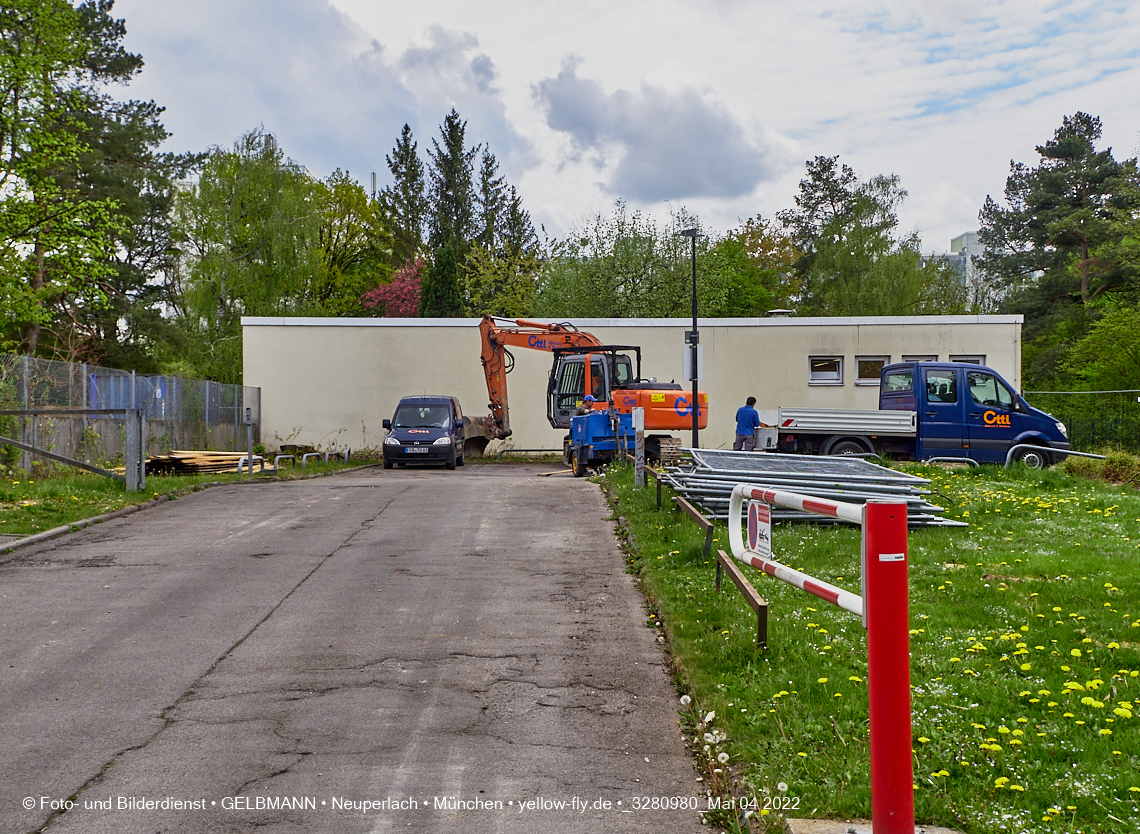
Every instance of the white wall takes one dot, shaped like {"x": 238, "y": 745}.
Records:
{"x": 328, "y": 380}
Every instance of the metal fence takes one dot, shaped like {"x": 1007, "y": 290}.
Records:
{"x": 1095, "y": 419}
{"x": 178, "y": 413}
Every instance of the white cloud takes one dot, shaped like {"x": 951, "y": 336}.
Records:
{"x": 943, "y": 94}
{"x": 670, "y": 145}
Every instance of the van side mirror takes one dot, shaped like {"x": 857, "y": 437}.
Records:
{"x": 459, "y": 422}
{"x": 387, "y": 424}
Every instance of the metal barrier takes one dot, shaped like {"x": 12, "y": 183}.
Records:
{"x": 277, "y": 461}
{"x": 1046, "y": 453}
{"x": 884, "y": 609}
{"x": 305, "y": 458}
{"x": 244, "y": 459}
{"x": 337, "y": 454}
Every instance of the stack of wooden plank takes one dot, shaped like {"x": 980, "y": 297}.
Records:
{"x": 193, "y": 463}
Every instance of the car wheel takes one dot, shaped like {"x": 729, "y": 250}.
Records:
{"x": 387, "y": 463}
{"x": 1033, "y": 458}
{"x": 450, "y": 462}
{"x": 847, "y": 447}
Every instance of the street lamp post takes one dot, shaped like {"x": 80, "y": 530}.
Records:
{"x": 693, "y": 336}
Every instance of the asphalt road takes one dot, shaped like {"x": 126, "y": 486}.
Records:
{"x": 462, "y": 649}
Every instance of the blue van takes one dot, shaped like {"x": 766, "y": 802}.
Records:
{"x": 966, "y": 410}
{"x": 425, "y": 430}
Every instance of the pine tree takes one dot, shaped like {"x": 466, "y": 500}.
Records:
{"x": 405, "y": 200}
{"x": 490, "y": 202}
{"x": 516, "y": 230}
{"x": 440, "y": 295}
{"x": 452, "y": 196}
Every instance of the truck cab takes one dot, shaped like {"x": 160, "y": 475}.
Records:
{"x": 965, "y": 410}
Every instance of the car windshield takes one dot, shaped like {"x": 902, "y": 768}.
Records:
{"x": 422, "y": 417}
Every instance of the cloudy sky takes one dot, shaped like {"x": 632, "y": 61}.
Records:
{"x": 710, "y": 104}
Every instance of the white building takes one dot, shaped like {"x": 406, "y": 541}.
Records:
{"x": 328, "y": 380}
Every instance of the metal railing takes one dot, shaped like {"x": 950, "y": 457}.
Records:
{"x": 78, "y": 414}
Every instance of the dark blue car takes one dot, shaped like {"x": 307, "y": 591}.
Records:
{"x": 425, "y": 430}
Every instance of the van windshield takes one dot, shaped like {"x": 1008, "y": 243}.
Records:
{"x": 422, "y": 417}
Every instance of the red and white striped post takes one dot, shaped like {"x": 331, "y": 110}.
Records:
{"x": 886, "y": 616}
{"x": 884, "y": 608}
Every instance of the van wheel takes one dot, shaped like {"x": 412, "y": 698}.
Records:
{"x": 450, "y": 462}
{"x": 847, "y": 447}
{"x": 1033, "y": 458}
{"x": 387, "y": 463}
{"x": 459, "y": 461}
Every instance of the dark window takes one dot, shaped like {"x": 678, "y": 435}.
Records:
{"x": 941, "y": 386}
{"x": 986, "y": 390}
{"x": 826, "y": 370}
{"x": 597, "y": 380}
{"x": 422, "y": 417}
{"x": 572, "y": 385}
{"x": 899, "y": 382}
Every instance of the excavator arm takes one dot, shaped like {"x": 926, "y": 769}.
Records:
{"x": 497, "y": 334}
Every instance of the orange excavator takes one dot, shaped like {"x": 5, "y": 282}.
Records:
{"x": 582, "y": 365}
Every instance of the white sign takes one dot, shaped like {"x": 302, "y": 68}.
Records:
{"x": 760, "y": 528}
{"x": 687, "y": 362}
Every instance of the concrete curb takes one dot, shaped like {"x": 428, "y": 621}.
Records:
{"x": 7, "y": 552}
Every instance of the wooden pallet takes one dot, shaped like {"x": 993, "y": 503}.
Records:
{"x": 193, "y": 463}
{"x": 670, "y": 451}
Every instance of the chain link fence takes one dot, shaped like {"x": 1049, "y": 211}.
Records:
{"x": 178, "y": 413}
{"x": 1095, "y": 419}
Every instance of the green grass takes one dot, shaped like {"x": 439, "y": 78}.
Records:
{"x": 33, "y": 504}
{"x": 1025, "y": 649}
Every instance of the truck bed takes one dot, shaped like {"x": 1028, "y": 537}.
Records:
{"x": 847, "y": 421}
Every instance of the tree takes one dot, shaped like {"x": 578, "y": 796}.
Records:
{"x": 440, "y": 295}
{"x": 405, "y": 200}
{"x": 249, "y": 233}
{"x": 55, "y": 242}
{"x": 1057, "y": 244}
{"x": 452, "y": 195}
{"x": 354, "y": 249}
{"x": 490, "y": 203}
{"x": 400, "y": 297}
{"x": 767, "y": 278}
{"x": 1107, "y": 356}
{"x": 502, "y": 284}
{"x": 123, "y": 325}
{"x": 1045, "y": 243}
{"x": 624, "y": 265}
{"x": 852, "y": 260}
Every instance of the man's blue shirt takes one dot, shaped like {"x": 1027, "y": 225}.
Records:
{"x": 747, "y": 419}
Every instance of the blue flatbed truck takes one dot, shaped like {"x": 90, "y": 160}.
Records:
{"x": 929, "y": 410}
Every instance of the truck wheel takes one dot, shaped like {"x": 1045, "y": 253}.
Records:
{"x": 1033, "y": 458}
{"x": 577, "y": 464}
{"x": 847, "y": 447}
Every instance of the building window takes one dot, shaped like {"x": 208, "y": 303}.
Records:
{"x": 826, "y": 370}
{"x": 920, "y": 357}
{"x": 971, "y": 358}
{"x": 869, "y": 369}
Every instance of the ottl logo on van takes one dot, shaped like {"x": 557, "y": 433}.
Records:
{"x": 992, "y": 418}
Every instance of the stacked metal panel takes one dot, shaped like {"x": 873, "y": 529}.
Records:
{"x": 708, "y": 478}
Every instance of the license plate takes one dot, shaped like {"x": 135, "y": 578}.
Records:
{"x": 423, "y": 450}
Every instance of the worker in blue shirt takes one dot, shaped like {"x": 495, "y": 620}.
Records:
{"x": 747, "y": 421}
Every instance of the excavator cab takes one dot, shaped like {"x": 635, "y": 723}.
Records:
{"x": 580, "y": 371}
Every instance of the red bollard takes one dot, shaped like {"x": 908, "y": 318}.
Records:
{"x": 885, "y": 602}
